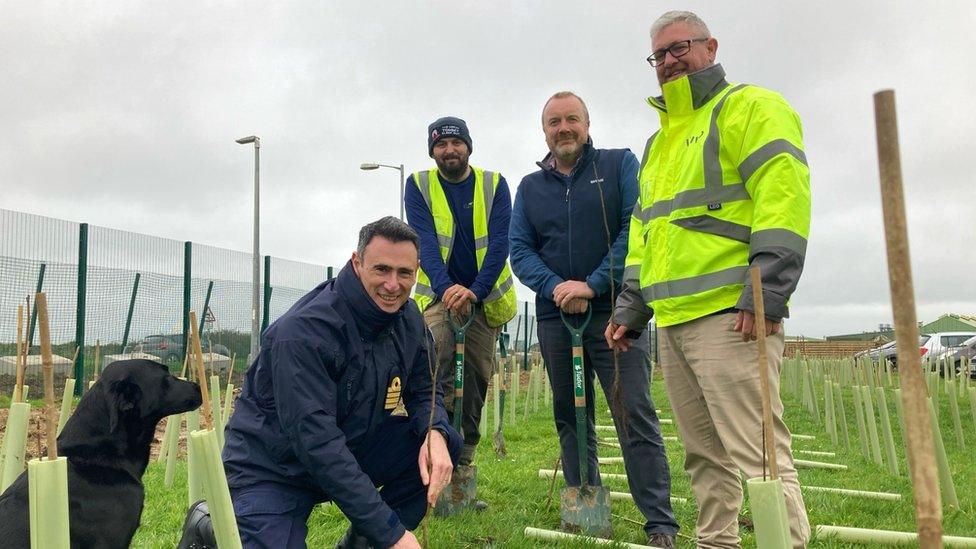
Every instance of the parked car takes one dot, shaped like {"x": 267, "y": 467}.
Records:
{"x": 942, "y": 342}
{"x": 966, "y": 350}
{"x": 889, "y": 351}
{"x": 169, "y": 347}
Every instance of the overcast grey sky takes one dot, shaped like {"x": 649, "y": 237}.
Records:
{"x": 124, "y": 114}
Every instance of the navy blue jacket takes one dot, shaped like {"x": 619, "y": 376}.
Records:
{"x": 317, "y": 392}
{"x": 462, "y": 267}
{"x": 557, "y": 231}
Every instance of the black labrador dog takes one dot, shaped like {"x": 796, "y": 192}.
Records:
{"x": 106, "y": 442}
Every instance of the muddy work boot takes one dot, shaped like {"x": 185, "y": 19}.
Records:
{"x": 197, "y": 529}
{"x": 352, "y": 540}
{"x": 661, "y": 540}
{"x": 467, "y": 455}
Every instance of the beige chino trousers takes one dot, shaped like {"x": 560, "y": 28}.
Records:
{"x": 712, "y": 378}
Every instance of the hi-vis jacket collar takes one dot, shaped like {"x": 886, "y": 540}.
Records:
{"x": 686, "y": 94}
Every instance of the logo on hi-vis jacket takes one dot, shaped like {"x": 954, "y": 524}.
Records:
{"x": 393, "y": 394}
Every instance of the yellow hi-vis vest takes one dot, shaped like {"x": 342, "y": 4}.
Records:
{"x": 500, "y": 304}
{"x": 720, "y": 182}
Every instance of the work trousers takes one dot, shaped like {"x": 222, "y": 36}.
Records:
{"x": 273, "y": 516}
{"x": 643, "y": 448}
{"x": 712, "y": 378}
{"x": 479, "y": 365}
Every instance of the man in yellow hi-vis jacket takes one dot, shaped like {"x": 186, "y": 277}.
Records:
{"x": 724, "y": 185}
{"x": 462, "y": 214}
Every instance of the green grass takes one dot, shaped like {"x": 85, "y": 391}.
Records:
{"x": 518, "y": 497}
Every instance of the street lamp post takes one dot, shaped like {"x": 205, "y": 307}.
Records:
{"x": 371, "y": 166}
{"x": 256, "y": 274}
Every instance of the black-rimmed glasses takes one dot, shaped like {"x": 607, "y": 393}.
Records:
{"x": 678, "y": 49}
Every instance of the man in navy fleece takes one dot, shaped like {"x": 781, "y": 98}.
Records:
{"x": 461, "y": 213}
{"x": 569, "y": 239}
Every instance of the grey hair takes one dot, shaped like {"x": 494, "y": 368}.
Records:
{"x": 389, "y": 228}
{"x": 672, "y": 17}
{"x": 562, "y": 95}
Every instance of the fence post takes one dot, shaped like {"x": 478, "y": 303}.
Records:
{"x": 187, "y": 268}
{"x": 128, "y": 317}
{"x": 206, "y": 306}
{"x": 328, "y": 273}
{"x": 33, "y": 319}
{"x": 267, "y": 293}
{"x": 80, "y": 311}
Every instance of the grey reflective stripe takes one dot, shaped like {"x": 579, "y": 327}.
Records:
{"x": 425, "y": 290}
{"x": 444, "y": 241}
{"x": 647, "y": 150}
{"x": 695, "y": 284}
{"x": 713, "y": 225}
{"x": 500, "y": 289}
{"x": 766, "y": 153}
{"x": 777, "y": 238}
{"x": 631, "y": 272}
{"x": 424, "y": 186}
{"x": 710, "y": 152}
{"x": 696, "y": 197}
{"x": 480, "y": 243}
{"x": 488, "y": 191}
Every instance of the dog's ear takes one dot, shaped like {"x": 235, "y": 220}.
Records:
{"x": 124, "y": 399}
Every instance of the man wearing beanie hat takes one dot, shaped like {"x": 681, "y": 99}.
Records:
{"x": 461, "y": 213}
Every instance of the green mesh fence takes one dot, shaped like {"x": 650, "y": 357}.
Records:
{"x": 136, "y": 297}
{"x": 135, "y": 294}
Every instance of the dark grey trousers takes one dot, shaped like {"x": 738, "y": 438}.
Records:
{"x": 643, "y": 449}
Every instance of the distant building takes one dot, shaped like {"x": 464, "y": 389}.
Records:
{"x": 950, "y": 323}
{"x": 945, "y": 323}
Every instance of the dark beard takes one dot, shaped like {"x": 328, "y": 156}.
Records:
{"x": 451, "y": 173}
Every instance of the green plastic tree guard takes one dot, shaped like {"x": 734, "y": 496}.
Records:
{"x": 173, "y": 445}
{"x": 218, "y": 426}
{"x": 829, "y": 408}
{"x": 15, "y": 442}
{"x": 228, "y": 403}
{"x": 872, "y": 425}
{"x": 496, "y": 400}
{"x": 768, "y": 505}
{"x": 954, "y": 409}
{"x": 69, "y": 389}
{"x": 164, "y": 445}
{"x": 972, "y": 403}
{"x": 945, "y": 475}
{"x": 884, "y": 537}
{"x": 194, "y": 472}
{"x": 861, "y": 426}
{"x": 207, "y": 448}
{"x": 26, "y": 388}
{"x": 841, "y": 413}
{"x": 889, "y": 439}
{"x": 47, "y": 485}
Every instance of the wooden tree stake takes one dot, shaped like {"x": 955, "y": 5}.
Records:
{"x": 47, "y": 361}
{"x": 207, "y": 418}
{"x": 921, "y": 446}
{"x": 767, "y": 409}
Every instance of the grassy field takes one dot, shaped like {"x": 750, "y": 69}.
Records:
{"x": 518, "y": 497}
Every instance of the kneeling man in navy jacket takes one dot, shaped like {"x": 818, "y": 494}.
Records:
{"x": 314, "y": 421}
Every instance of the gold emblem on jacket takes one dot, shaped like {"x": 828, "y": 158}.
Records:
{"x": 393, "y": 394}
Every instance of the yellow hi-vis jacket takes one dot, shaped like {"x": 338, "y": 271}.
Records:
{"x": 724, "y": 184}
{"x": 500, "y": 304}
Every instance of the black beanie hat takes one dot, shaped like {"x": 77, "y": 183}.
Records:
{"x": 448, "y": 126}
